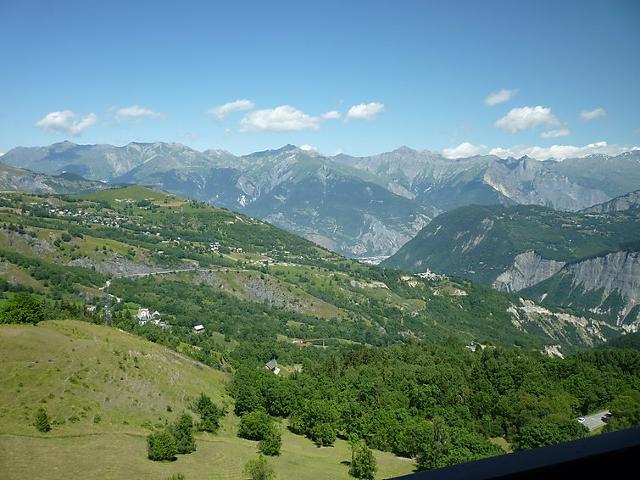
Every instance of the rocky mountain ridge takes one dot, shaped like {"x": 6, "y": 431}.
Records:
{"x": 358, "y": 206}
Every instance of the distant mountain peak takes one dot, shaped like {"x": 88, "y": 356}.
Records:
{"x": 404, "y": 149}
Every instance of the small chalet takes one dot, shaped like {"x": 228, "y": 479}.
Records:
{"x": 198, "y": 329}
{"x": 273, "y": 366}
{"x": 473, "y": 346}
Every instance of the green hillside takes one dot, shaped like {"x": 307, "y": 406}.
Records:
{"x": 104, "y": 389}
{"x": 90, "y": 378}
{"x": 250, "y": 275}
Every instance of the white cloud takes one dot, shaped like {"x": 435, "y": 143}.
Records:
{"x": 365, "y": 111}
{"x": 499, "y": 97}
{"x": 331, "y": 115}
{"x": 284, "y": 118}
{"x": 592, "y": 114}
{"x": 561, "y": 132}
{"x": 308, "y": 148}
{"x": 561, "y": 152}
{"x": 527, "y": 117}
{"x": 464, "y": 150}
{"x": 67, "y": 122}
{"x": 221, "y": 111}
{"x": 135, "y": 111}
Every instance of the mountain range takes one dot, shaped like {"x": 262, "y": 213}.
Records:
{"x": 356, "y": 206}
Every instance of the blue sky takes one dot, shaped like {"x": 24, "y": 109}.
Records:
{"x": 416, "y": 73}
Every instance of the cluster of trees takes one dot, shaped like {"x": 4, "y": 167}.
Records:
{"x": 60, "y": 278}
{"x": 25, "y": 307}
{"x": 178, "y": 438}
{"x": 258, "y": 425}
{"x": 625, "y": 411}
{"x": 22, "y": 307}
{"x": 210, "y": 414}
{"x": 441, "y": 403}
{"x": 174, "y": 439}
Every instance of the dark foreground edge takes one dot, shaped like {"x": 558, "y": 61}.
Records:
{"x": 612, "y": 455}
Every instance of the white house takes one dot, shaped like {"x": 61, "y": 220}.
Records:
{"x": 198, "y": 329}
{"x": 143, "y": 315}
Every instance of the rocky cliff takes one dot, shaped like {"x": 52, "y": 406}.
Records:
{"x": 607, "y": 285}
{"x": 528, "y": 269}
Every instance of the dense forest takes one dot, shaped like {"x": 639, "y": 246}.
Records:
{"x": 438, "y": 400}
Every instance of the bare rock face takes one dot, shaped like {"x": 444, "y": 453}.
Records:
{"x": 616, "y": 272}
{"x": 528, "y": 316}
{"x": 116, "y": 265}
{"x": 528, "y": 269}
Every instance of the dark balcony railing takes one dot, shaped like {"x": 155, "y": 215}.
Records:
{"x": 610, "y": 456}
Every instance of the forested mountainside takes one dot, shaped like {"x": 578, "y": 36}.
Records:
{"x": 356, "y": 206}
{"x": 584, "y": 261}
{"x": 293, "y": 287}
{"x": 432, "y": 369}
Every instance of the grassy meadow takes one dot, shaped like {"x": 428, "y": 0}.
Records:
{"x": 104, "y": 390}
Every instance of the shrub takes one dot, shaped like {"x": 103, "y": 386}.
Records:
{"x": 323, "y": 434}
{"x": 210, "y": 414}
{"x": 271, "y": 442}
{"x": 259, "y": 469}
{"x": 255, "y": 425}
{"x": 363, "y": 463}
{"x": 161, "y": 446}
{"x": 183, "y": 434}
{"x": 42, "y": 421}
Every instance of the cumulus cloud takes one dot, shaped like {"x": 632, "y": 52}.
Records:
{"x": 365, "y": 111}
{"x": 592, "y": 114}
{"x": 499, "y": 97}
{"x": 135, "y": 111}
{"x": 561, "y": 132}
{"x": 524, "y": 118}
{"x": 331, "y": 115}
{"x": 561, "y": 152}
{"x": 67, "y": 122}
{"x": 284, "y": 118}
{"x": 309, "y": 148}
{"x": 464, "y": 150}
{"x": 221, "y": 111}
